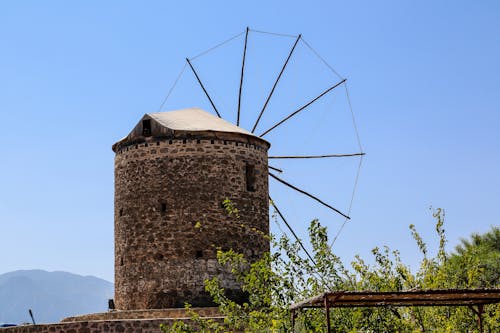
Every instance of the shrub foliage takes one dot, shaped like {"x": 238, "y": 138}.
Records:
{"x": 283, "y": 277}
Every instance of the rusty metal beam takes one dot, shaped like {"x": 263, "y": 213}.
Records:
{"x": 447, "y": 297}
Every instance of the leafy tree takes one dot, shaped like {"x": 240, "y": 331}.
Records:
{"x": 476, "y": 261}
{"x": 283, "y": 277}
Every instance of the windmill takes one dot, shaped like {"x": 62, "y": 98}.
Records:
{"x": 264, "y": 128}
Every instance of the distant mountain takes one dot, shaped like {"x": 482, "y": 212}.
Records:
{"x": 51, "y": 295}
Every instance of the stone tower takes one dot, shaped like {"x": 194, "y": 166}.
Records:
{"x": 172, "y": 174}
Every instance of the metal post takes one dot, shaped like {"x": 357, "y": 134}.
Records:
{"x": 327, "y": 313}
{"x": 480, "y": 311}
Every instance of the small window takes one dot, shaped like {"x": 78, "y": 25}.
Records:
{"x": 199, "y": 254}
{"x": 250, "y": 177}
{"x": 121, "y": 211}
{"x": 121, "y": 261}
{"x": 146, "y": 127}
{"x": 163, "y": 207}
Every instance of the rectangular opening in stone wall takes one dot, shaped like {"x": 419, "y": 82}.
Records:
{"x": 121, "y": 211}
{"x": 250, "y": 177}
{"x": 146, "y": 127}
{"x": 199, "y": 254}
{"x": 163, "y": 207}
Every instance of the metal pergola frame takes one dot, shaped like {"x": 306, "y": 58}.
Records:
{"x": 444, "y": 297}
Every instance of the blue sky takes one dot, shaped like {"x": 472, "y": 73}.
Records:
{"x": 423, "y": 77}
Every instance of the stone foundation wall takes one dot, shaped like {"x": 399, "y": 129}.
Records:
{"x": 176, "y": 313}
{"x": 137, "y": 321}
{"x": 107, "y": 326}
{"x": 169, "y": 218}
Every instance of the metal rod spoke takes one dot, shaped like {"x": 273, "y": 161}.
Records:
{"x": 276, "y": 83}
{"x": 302, "y": 107}
{"x": 309, "y": 195}
{"x": 316, "y": 156}
{"x": 291, "y": 230}
{"x": 275, "y": 169}
{"x": 203, "y": 87}
{"x": 241, "y": 77}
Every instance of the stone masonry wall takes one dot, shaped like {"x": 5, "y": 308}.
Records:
{"x": 105, "y": 326}
{"x": 136, "y": 321}
{"x": 169, "y": 218}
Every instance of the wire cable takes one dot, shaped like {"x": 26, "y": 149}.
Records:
{"x": 274, "y": 33}
{"x": 352, "y": 116}
{"x": 350, "y": 204}
{"x": 216, "y": 46}
{"x": 322, "y": 59}
{"x": 172, "y": 87}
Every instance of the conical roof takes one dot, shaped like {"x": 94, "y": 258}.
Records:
{"x": 183, "y": 123}
{"x": 195, "y": 119}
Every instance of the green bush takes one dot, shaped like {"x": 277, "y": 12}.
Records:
{"x": 283, "y": 277}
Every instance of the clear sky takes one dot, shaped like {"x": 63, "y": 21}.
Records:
{"x": 423, "y": 77}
